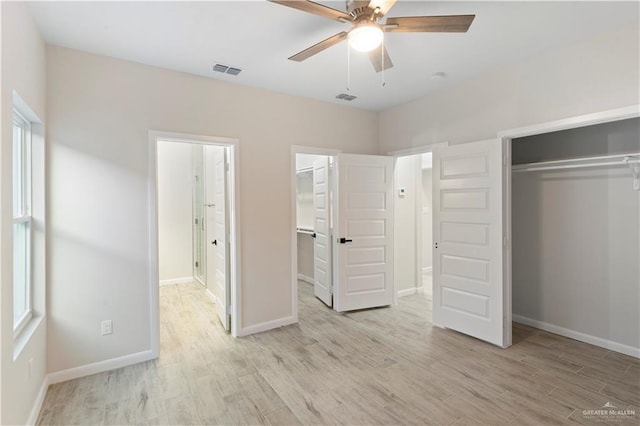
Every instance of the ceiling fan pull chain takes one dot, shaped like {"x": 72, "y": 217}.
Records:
{"x": 348, "y": 68}
{"x": 382, "y": 55}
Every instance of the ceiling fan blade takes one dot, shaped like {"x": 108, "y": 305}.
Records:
{"x": 384, "y": 5}
{"x": 376, "y": 58}
{"x": 315, "y": 8}
{"x": 319, "y": 47}
{"x": 429, "y": 24}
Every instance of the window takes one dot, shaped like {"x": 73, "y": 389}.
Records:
{"x": 22, "y": 303}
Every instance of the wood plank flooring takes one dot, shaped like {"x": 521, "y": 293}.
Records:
{"x": 381, "y": 366}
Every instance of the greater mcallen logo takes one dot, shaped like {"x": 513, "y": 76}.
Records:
{"x": 609, "y": 411}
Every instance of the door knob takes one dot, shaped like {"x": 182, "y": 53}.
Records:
{"x": 214, "y": 242}
{"x": 344, "y": 240}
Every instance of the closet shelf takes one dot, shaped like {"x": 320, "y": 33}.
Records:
{"x": 619, "y": 160}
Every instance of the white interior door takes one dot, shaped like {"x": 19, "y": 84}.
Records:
{"x": 468, "y": 240}
{"x": 220, "y": 244}
{"x": 364, "y": 232}
{"x": 322, "y": 229}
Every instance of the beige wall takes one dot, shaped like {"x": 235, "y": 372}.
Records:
{"x": 23, "y": 70}
{"x": 591, "y": 76}
{"x": 427, "y": 218}
{"x": 100, "y": 110}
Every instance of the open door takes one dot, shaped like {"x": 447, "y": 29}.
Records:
{"x": 220, "y": 244}
{"x": 468, "y": 240}
{"x": 364, "y": 232}
{"x": 322, "y": 232}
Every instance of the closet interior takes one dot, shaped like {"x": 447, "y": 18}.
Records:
{"x": 576, "y": 233}
{"x": 312, "y": 261}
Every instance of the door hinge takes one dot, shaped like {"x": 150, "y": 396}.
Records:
{"x": 197, "y": 264}
{"x": 196, "y": 220}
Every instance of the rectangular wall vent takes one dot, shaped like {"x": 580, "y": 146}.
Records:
{"x": 346, "y": 97}
{"x": 226, "y": 69}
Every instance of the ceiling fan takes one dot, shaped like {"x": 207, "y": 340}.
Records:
{"x": 366, "y": 33}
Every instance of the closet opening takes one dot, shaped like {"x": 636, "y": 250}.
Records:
{"x": 575, "y": 233}
{"x": 193, "y": 237}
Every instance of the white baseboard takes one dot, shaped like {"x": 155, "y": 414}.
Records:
{"x": 410, "y": 291}
{"x": 100, "y": 366}
{"x": 211, "y": 296}
{"x": 305, "y": 278}
{"x": 576, "y": 335}
{"x": 37, "y": 404}
{"x": 268, "y": 325}
{"x": 183, "y": 280}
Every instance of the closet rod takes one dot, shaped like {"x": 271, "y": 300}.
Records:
{"x": 305, "y": 231}
{"x": 304, "y": 169}
{"x": 574, "y": 163}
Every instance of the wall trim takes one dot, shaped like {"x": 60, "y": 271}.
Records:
{"x": 183, "y": 280}
{"x": 37, "y": 404}
{"x": 576, "y": 335}
{"x": 211, "y": 296}
{"x": 267, "y": 325}
{"x": 410, "y": 291}
{"x": 100, "y": 366}
{"x": 305, "y": 278}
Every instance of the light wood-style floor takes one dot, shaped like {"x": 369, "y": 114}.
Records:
{"x": 379, "y": 366}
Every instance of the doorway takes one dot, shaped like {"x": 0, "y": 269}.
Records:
{"x": 413, "y": 225}
{"x": 351, "y": 205}
{"x": 194, "y": 231}
{"x": 314, "y": 227}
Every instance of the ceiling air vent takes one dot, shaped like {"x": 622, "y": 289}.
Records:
{"x": 226, "y": 69}
{"x": 346, "y": 97}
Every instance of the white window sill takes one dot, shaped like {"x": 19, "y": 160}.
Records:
{"x": 21, "y": 340}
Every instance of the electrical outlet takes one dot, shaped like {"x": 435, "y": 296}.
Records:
{"x": 107, "y": 327}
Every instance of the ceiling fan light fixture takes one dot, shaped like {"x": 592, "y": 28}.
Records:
{"x": 365, "y": 37}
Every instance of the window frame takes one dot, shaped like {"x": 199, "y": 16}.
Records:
{"x": 22, "y": 214}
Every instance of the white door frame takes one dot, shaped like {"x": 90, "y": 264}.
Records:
{"x": 234, "y": 226}
{"x": 296, "y": 149}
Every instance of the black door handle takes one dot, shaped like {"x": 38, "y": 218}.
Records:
{"x": 344, "y": 241}
{"x": 313, "y": 235}
{"x": 214, "y": 242}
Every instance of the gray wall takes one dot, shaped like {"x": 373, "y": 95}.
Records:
{"x": 618, "y": 137}
{"x": 576, "y": 242}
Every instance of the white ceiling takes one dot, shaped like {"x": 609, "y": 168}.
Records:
{"x": 259, "y": 36}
